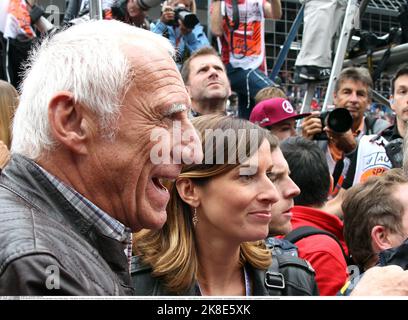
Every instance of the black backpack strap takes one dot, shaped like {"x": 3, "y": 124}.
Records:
{"x": 290, "y": 276}
{"x": 286, "y": 260}
{"x": 274, "y": 280}
{"x": 306, "y": 231}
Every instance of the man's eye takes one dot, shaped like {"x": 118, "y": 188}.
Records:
{"x": 246, "y": 177}
{"x": 271, "y": 176}
{"x": 285, "y": 129}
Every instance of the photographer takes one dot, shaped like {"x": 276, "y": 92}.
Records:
{"x": 352, "y": 92}
{"x": 387, "y": 144}
{"x": 184, "y": 36}
{"x": 23, "y": 21}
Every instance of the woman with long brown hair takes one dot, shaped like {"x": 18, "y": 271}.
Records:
{"x": 8, "y": 104}
{"x": 218, "y": 215}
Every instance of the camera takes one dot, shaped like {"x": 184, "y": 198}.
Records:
{"x": 188, "y": 18}
{"x": 395, "y": 152}
{"x": 38, "y": 19}
{"x": 338, "y": 120}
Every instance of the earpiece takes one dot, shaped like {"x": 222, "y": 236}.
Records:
{"x": 391, "y": 101}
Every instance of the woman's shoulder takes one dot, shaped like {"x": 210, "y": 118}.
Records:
{"x": 286, "y": 276}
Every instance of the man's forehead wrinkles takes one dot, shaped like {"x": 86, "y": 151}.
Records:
{"x": 147, "y": 72}
{"x": 175, "y": 86}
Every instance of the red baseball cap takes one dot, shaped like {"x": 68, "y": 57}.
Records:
{"x": 272, "y": 111}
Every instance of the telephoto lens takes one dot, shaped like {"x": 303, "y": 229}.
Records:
{"x": 188, "y": 18}
{"x": 338, "y": 120}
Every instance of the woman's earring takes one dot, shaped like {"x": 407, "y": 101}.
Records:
{"x": 195, "y": 217}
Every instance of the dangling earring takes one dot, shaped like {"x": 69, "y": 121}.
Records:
{"x": 195, "y": 217}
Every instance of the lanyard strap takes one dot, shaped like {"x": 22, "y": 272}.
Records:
{"x": 246, "y": 280}
{"x": 247, "y": 283}
{"x": 235, "y": 25}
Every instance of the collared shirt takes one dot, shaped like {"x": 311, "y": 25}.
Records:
{"x": 102, "y": 221}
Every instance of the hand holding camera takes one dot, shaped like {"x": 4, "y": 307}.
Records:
{"x": 311, "y": 125}
{"x": 37, "y": 18}
{"x": 179, "y": 16}
{"x": 183, "y": 29}
{"x": 334, "y": 126}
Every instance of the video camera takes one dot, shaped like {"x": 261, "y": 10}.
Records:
{"x": 338, "y": 120}
{"x": 395, "y": 152}
{"x": 188, "y": 18}
{"x": 38, "y": 19}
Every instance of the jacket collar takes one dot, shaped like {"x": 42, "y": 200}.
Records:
{"x": 25, "y": 179}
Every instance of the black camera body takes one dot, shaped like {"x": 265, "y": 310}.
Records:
{"x": 338, "y": 120}
{"x": 188, "y": 18}
{"x": 36, "y": 13}
{"x": 395, "y": 152}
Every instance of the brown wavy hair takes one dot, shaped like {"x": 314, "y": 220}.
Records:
{"x": 8, "y": 104}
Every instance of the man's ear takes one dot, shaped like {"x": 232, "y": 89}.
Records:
{"x": 67, "y": 122}
{"x": 188, "y": 192}
{"x": 380, "y": 238}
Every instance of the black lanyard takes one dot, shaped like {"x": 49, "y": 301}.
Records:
{"x": 235, "y": 25}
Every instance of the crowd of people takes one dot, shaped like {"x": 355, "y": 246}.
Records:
{"x": 122, "y": 172}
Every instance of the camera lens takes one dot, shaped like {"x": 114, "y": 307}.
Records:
{"x": 339, "y": 120}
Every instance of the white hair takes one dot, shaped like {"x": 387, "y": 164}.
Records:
{"x": 87, "y": 60}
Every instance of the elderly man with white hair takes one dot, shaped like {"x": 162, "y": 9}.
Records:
{"x": 82, "y": 177}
